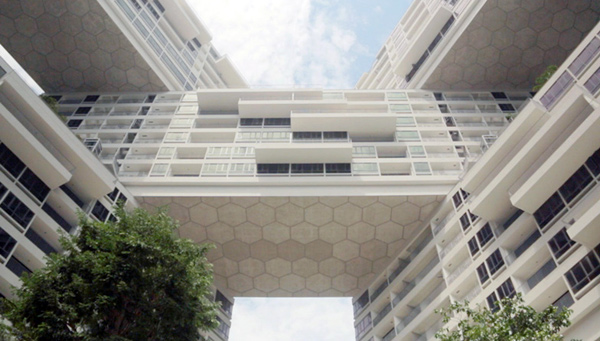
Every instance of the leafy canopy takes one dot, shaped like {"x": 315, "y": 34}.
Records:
{"x": 514, "y": 321}
{"x": 127, "y": 280}
{"x": 543, "y": 78}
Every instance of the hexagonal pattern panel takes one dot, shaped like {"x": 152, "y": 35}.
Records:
{"x": 510, "y": 43}
{"x": 73, "y": 45}
{"x": 299, "y": 246}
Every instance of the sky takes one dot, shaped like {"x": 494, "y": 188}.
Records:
{"x": 305, "y": 43}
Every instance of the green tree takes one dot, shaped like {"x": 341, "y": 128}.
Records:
{"x": 513, "y": 321}
{"x": 132, "y": 279}
{"x": 52, "y": 103}
{"x": 543, "y": 78}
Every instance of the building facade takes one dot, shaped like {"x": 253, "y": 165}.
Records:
{"x": 404, "y": 199}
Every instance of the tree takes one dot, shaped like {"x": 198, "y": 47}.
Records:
{"x": 132, "y": 279}
{"x": 513, "y": 321}
{"x": 543, "y": 78}
{"x": 52, "y": 103}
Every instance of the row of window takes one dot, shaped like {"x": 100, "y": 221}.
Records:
{"x": 481, "y": 239}
{"x": 490, "y": 266}
{"x": 25, "y": 177}
{"x": 569, "y": 191}
{"x": 585, "y": 271}
{"x": 505, "y": 290}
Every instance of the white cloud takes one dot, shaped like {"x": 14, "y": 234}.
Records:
{"x": 292, "y": 319}
{"x": 284, "y": 43}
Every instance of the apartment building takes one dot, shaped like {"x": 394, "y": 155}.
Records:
{"x": 403, "y": 198}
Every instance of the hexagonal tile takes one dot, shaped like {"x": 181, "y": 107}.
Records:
{"x": 494, "y": 19}
{"x": 480, "y": 37}
{"x": 220, "y": 232}
{"x": 263, "y": 250}
{"x": 121, "y": 58}
{"x": 231, "y": 214}
{"x": 503, "y": 38}
{"x": 136, "y": 77}
{"x": 318, "y": 283}
{"x": 304, "y": 232}
{"x": 517, "y": 19}
{"x": 32, "y": 8}
{"x": 290, "y": 250}
{"x": 365, "y": 280}
{"x": 569, "y": 39}
{"x": 373, "y": 250}
{"x": 276, "y": 233}
{"x": 72, "y": 78}
{"x": 274, "y": 201}
{"x": 204, "y": 214}
{"x": 78, "y": 7}
{"x": 393, "y": 200}
{"x": 240, "y": 201}
{"x": 347, "y": 214}
{"x": 8, "y": 26}
{"x": 376, "y": 214}
{"x": 94, "y": 23}
{"x": 548, "y": 38}
{"x": 225, "y": 267}
{"x": 362, "y": 201}
{"x": 389, "y": 232}
{"x": 319, "y": 250}
{"x": 333, "y": 202}
{"x": 239, "y": 283}
{"x": 20, "y": 44}
{"x": 278, "y": 267}
{"x": 192, "y": 231}
{"x": 361, "y": 232}
{"x": 305, "y": 267}
{"x": 248, "y": 232}
{"x": 304, "y": 202}
{"x": 292, "y": 283}
{"x": 488, "y": 56}
{"x": 344, "y": 282}
{"x": 26, "y": 25}
{"x": 116, "y": 76}
{"x": 260, "y": 214}
{"x": 289, "y": 214}
{"x": 318, "y": 214}
{"x": 540, "y": 20}
{"x": 346, "y": 250}
{"x": 216, "y": 202}
{"x": 251, "y": 267}
{"x": 359, "y": 266}
{"x": 332, "y": 267}
{"x": 236, "y": 250}
{"x": 405, "y": 213}
{"x": 266, "y": 282}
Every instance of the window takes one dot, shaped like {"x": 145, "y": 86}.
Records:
{"x": 483, "y": 273}
{"x": 276, "y": 136}
{"x": 13, "y": 165}
{"x": 251, "y": 122}
{"x": 159, "y": 169}
{"x": 583, "y": 272}
{"x": 499, "y": 95}
{"x": 363, "y": 326}
{"x": 337, "y": 168}
{"x": 405, "y": 122}
{"x": 465, "y": 223}
{"x": 226, "y": 304}
{"x": 99, "y": 211}
{"x": 575, "y": 184}
{"x": 242, "y": 152}
{"x": 251, "y": 136}
{"x": 176, "y": 137}
{"x": 364, "y": 151}
{"x": 485, "y": 235}
{"x": 166, "y": 153}
{"x": 279, "y": 122}
{"x": 565, "y": 301}
{"x": 17, "y": 210}
{"x": 416, "y": 151}
{"x": 113, "y": 195}
{"x": 7, "y": 243}
{"x": 307, "y": 136}
{"x": 365, "y": 168}
{"x": 550, "y": 209}
{"x": 560, "y": 243}
{"x": 557, "y": 90}
{"x": 584, "y": 58}
{"x": 335, "y": 135}
{"x": 82, "y": 111}
{"x": 492, "y": 302}
{"x": 242, "y": 169}
{"x": 215, "y": 169}
{"x": 223, "y": 328}
{"x": 400, "y": 107}
{"x": 593, "y": 163}
{"x": 422, "y": 168}
{"x": 218, "y": 152}
{"x": 527, "y": 243}
{"x": 182, "y": 123}
{"x": 74, "y": 123}
{"x": 361, "y": 302}
{"x": 91, "y": 99}
{"x": 473, "y": 246}
{"x": 397, "y": 96}
{"x": 506, "y": 290}
{"x": 495, "y": 262}
{"x": 272, "y": 168}
{"x": 307, "y": 168}
{"x": 457, "y": 200}
{"x": 409, "y": 135}
{"x": 506, "y": 107}
{"x": 34, "y": 185}
{"x": 593, "y": 84}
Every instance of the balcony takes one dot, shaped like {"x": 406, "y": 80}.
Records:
{"x": 382, "y": 314}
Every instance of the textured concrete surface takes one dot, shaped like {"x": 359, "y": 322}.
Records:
{"x": 511, "y": 42}
{"x": 299, "y": 246}
{"x": 73, "y": 45}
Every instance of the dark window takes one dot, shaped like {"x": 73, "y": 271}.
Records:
{"x": 457, "y": 200}
{"x": 34, "y": 185}
{"x": 122, "y": 198}
{"x": 539, "y": 275}
{"x": 100, "y": 212}
{"x": 560, "y": 243}
{"x": 473, "y": 216}
{"x": 550, "y": 209}
{"x": 251, "y": 122}
{"x": 443, "y": 108}
{"x": 17, "y": 210}
{"x": 17, "y": 267}
{"x": 465, "y": 222}
{"x": 438, "y": 96}
{"x": 593, "y": 163}
{"x": 492, "y": 302}
{"x": 2, "y": 190}
{"x": 226, "y": 304}
{"x": 159, "y": 6}
{"x": 7, "y": 243}
{"x": 483, "y": 273}
{"x": 495, "y": 261}
{"x": 464, "y": 194}
{"x": 363, "y": 327}
{"x": 335, "y": 135}
{"x": 272, "y": 168}
{"x": 575, "y": 184}
{"x": 113, "y": 195}
{"x": 447, "y": 25}
{"x": 72, "y": 195}
{"x": 506, "y": 107}
{"x": 485, "y": 235}
{"x": 39, "y": 242}
{"x": 13, "y": 165}
{"x": 583, "y": 272}
{"x": 512, "y": 219}
{"x": 307, "y": 135}
{"x": 361, "y": 302}
{"x": 82, "y": 111}
{"x": 527, "y": 243}
{"x": 473, "y": 246}
{"x": 499, "y": 95}
{"x": 307, "y": 168}
{"x": 223, "y": 328}
{"x": 506, "y": 290}
{"x": 150, "y": 99}
{"x": 74, "y": 123}
{"x": 144, "y": 111}
{"x": 197, "y": 42}
{"x": 337, "y": 168}
{"x": 277, "y": 122}
{"x": 57, "y": 217}
{"x": 91, "y": 99}
{"x": 565, "y": 301}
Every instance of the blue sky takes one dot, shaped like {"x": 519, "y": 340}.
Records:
{"x": 304, "y": 43}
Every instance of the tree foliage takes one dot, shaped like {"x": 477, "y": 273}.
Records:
{"x": 132, "y": 279}
{"x": 513, "y": 321}
{"x": 543, "y": 78}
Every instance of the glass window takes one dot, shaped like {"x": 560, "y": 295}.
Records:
{"x": 251, "y": 122}
{"x": 593, "y": 84}
{"x": 560, "y": 243}
{"x": 583, "y": 272}
{"x": 226, "y": 304}
{"x": 408, "y": 135}
{"x": 457, "y": 200}
{"x": 337, "y": 168}
{"x": 593, "y": 163}
{"x": 100, "y": 212}
{"x": 363, "y": 326}
{"x": 550, "y": 209}
{"x": 364, "y": 151}
{"x": 492, "y": 302}
{"x": 483, "y": 273}
{"x": 422, "y": 168}
{"x": 473, "y": 246}
{"x": 307, "y": 136}
{"x": 400, "y": 108}
{"x": 215, "y": 168}
{"x": 584, "y": 58}
{"x": 218, "y": 152}
{"x": 506, "y": 290}
{"x": 495, "y": 261}
{"x": 34, "y": 185}
{"x": 365, "y": 168}
{"x": 416, "y": 151}
{"x": 74, "y": 123}
{"x": 335, "y": 136}
{"x": 485, "y": 235}
{"x": 13, "y": 165}
{"x": 397, "y": 96}
{"x": 273, "y": 168}
{"x": 176, "y": 137}
{"x": 276, "y": 136}
{"x": 361, "y": 302}
{"x": 405, "y": 121}
{"x": 575, "y": 184}
{"x": 307, "y": 168}
{"x": 242, "y": 169}
{"x": 279, "y": 122}
{"x": 242, "y": 152}
{"x": 182, "y": 122}
{"x": 557, "y": 90}
{"x": 166, "y": 153}
{"x": 250, "y": 136}
{"x": 159, "y": 169}
{"x": 17, "y": 210}
{"x": 465, "y": 223}
{"x": 7, "y": 243}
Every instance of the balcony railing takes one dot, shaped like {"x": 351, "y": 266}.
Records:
{"x": 382, "y": 314}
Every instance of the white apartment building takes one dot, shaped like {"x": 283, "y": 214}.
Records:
{"x": 404, "y": 199}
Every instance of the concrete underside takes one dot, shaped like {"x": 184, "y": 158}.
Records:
{"x": 510, "y": 43}
{"x": 299, "y": 246}
{"x": 73, "y": 45}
